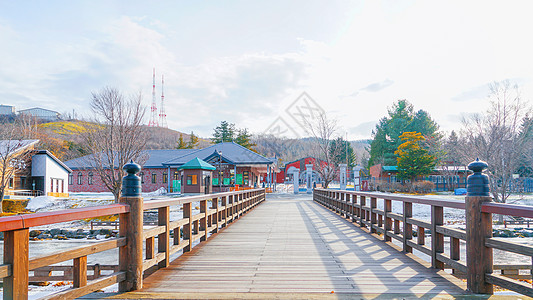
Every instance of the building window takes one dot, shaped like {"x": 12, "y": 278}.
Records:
{"x": 22, "y": 182}
{"x": 80, "y": 179}
{"x": 70, "y": 179}
{"x": 11, "y": 182}
{"x": 176, "y": 175}
{"x": 90, "y": 178}
{"x": 142, "y": 177}
{"x": 154, "y": 177}
{"x": 192, "y": 179}
{"x": 165, "y": 177}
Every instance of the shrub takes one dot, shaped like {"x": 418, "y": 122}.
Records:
{"x": 423, "y": 186}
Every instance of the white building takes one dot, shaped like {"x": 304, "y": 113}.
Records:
{"x": 49, "y": 174}
{"x": 7, "y": 110}
{"x": 41, "y": 114}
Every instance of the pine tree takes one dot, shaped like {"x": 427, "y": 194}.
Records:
{"x": 225, "y": 132}
{"x": 181, "y": 143}
{"x": 244, "y": 138}
{"x": 193, "y": 141}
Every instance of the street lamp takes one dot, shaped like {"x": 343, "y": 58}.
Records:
{"x": 219, "y": 170}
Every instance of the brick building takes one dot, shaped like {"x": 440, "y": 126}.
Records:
{"x": 235, "y": 165}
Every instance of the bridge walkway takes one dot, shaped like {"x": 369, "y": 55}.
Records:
{"x": 290, "y": 245}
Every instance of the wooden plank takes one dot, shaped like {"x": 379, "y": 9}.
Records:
{"x": 453, "y": 232}
{"x": 500, "y": 243}
{"x": 163, "y": 239}
{"x": 80, "y": 272}
{"x": 92, "y": 286}
{"x": 147, "y": 233}
{"x": 5, "y": 270}
{"x": 50, "y": 259}
{"x": 513, "y": 285}
{"x": 16, "y": 248}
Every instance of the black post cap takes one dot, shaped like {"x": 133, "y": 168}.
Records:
{"x": 477, "y": 184}
{"x": 131, "y": 183}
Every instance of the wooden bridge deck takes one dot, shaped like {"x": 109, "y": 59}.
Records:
{"x": 292, "y": 245}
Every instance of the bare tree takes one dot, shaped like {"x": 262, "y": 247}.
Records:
{"x": 323, "y": 130}
{"x": 497, "y": 138}
{"x": 14, "y": 156}
{"x": 115, "y": 136}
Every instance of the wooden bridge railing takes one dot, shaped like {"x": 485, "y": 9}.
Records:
{"x": 195, "y": 225}
{"x": 362, "y": 208}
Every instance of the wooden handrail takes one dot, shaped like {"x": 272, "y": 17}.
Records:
{"x": 360, "y": 208}
{"x": 54, "y": 217}
{"x": 225, "y": 208}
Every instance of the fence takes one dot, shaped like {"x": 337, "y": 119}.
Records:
{"x": 224, "y": 208}
{"x": 361, "y": 208}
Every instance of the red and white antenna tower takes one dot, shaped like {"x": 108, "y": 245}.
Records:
{"x": 153, "y": 109}
{"x": 162, "y": 114}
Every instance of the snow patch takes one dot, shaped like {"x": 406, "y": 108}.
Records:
{"x": 160, "y": 191}
{"x": 40, "y": 202}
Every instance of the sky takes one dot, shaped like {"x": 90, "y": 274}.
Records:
{"x": 249, "y": 62}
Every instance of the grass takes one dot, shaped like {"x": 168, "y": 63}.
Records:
{"x": 66, "y": 127}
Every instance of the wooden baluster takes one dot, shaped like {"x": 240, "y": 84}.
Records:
{"x": 407, "y": 228}
{"x": 421, "y": 236}
{"x": 388, "y": 221}
{"x": 349, "y": 207}
{"x": 80, "y": 272}
{"x": 177, "y": 233}
{"x": 396, "y": 226}
{"x": 216, "y": 216}
{"x": 437, "y": 239}
{"x": 373, "y": 219}
{"x": 362, "y": 202}
{"x": 150, "y": 247}
{"x": 163, "y": 239}
{"x": 223, "y": 215}
{"x": 187, "y": 228}
{"x": 341, "y": 204}
{"x": 455, "y": 251}
{"x": 96, "y": 273}
{"x": 16, "y": 245}
{"x": 203, "y": 220}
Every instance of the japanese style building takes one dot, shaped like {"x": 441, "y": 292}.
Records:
{"x": 234, "y": 165}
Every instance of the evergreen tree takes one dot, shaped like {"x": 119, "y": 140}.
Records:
{"x": 342, "y": 152}
{"x": 225, "y": 132}
{"x": 401, "y": 118}
{"x": 181, "y": 143}
{"x": 244, "y": 138}
{"x": 413, "y": 160}
{"x": 193, "y": 141}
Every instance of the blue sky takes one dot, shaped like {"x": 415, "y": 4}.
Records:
{"x": 247, "y": 61}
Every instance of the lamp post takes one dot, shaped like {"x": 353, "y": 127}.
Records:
{"x": 219, "y": 170}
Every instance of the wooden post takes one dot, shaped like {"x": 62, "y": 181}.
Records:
{"x": 455, "y": 251}
{"x": 131, "y": 227}
{"x": 388, "y": 221}
{"x": 224, "y": 212}
{"x": 187, "y": 228}
{"x": 163, "y": 239}
{"x": 362, "y": 203}
{"x": 437, "y": 239}
{"x": 373, "y": 219}
{"x": 203, "y": 220}
{"x": 150, "y": 247}
{"x": 407, "y": 228}
{"x": 478, "y": 229}
{"x": 216, "y": 217}
{"x": 421, "y": 236}
{"x": 16, "y": 246}
{"x": 80, "y": 272}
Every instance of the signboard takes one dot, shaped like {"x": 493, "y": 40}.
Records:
{"x": 227, "y": 181}
{"x": 176, "y": 186}
{"x": 239, "y": 179}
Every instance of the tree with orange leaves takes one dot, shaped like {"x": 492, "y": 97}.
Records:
{"x": 413, "y": 160}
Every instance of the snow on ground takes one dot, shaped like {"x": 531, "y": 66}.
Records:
{"x": 40, "y": 202}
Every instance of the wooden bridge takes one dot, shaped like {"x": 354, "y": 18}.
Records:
{"x": 242, "y": 244}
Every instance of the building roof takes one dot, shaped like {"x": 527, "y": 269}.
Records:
{"x": 15, "y": 145}
{"x": 37, "y": 108}
{"x": 231, "y": 152}
{"x": 196, "y": 164}
{"x": 390, "y": 168}
{"x": 154, "y": 158}
{"x": 46, "y": 152}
